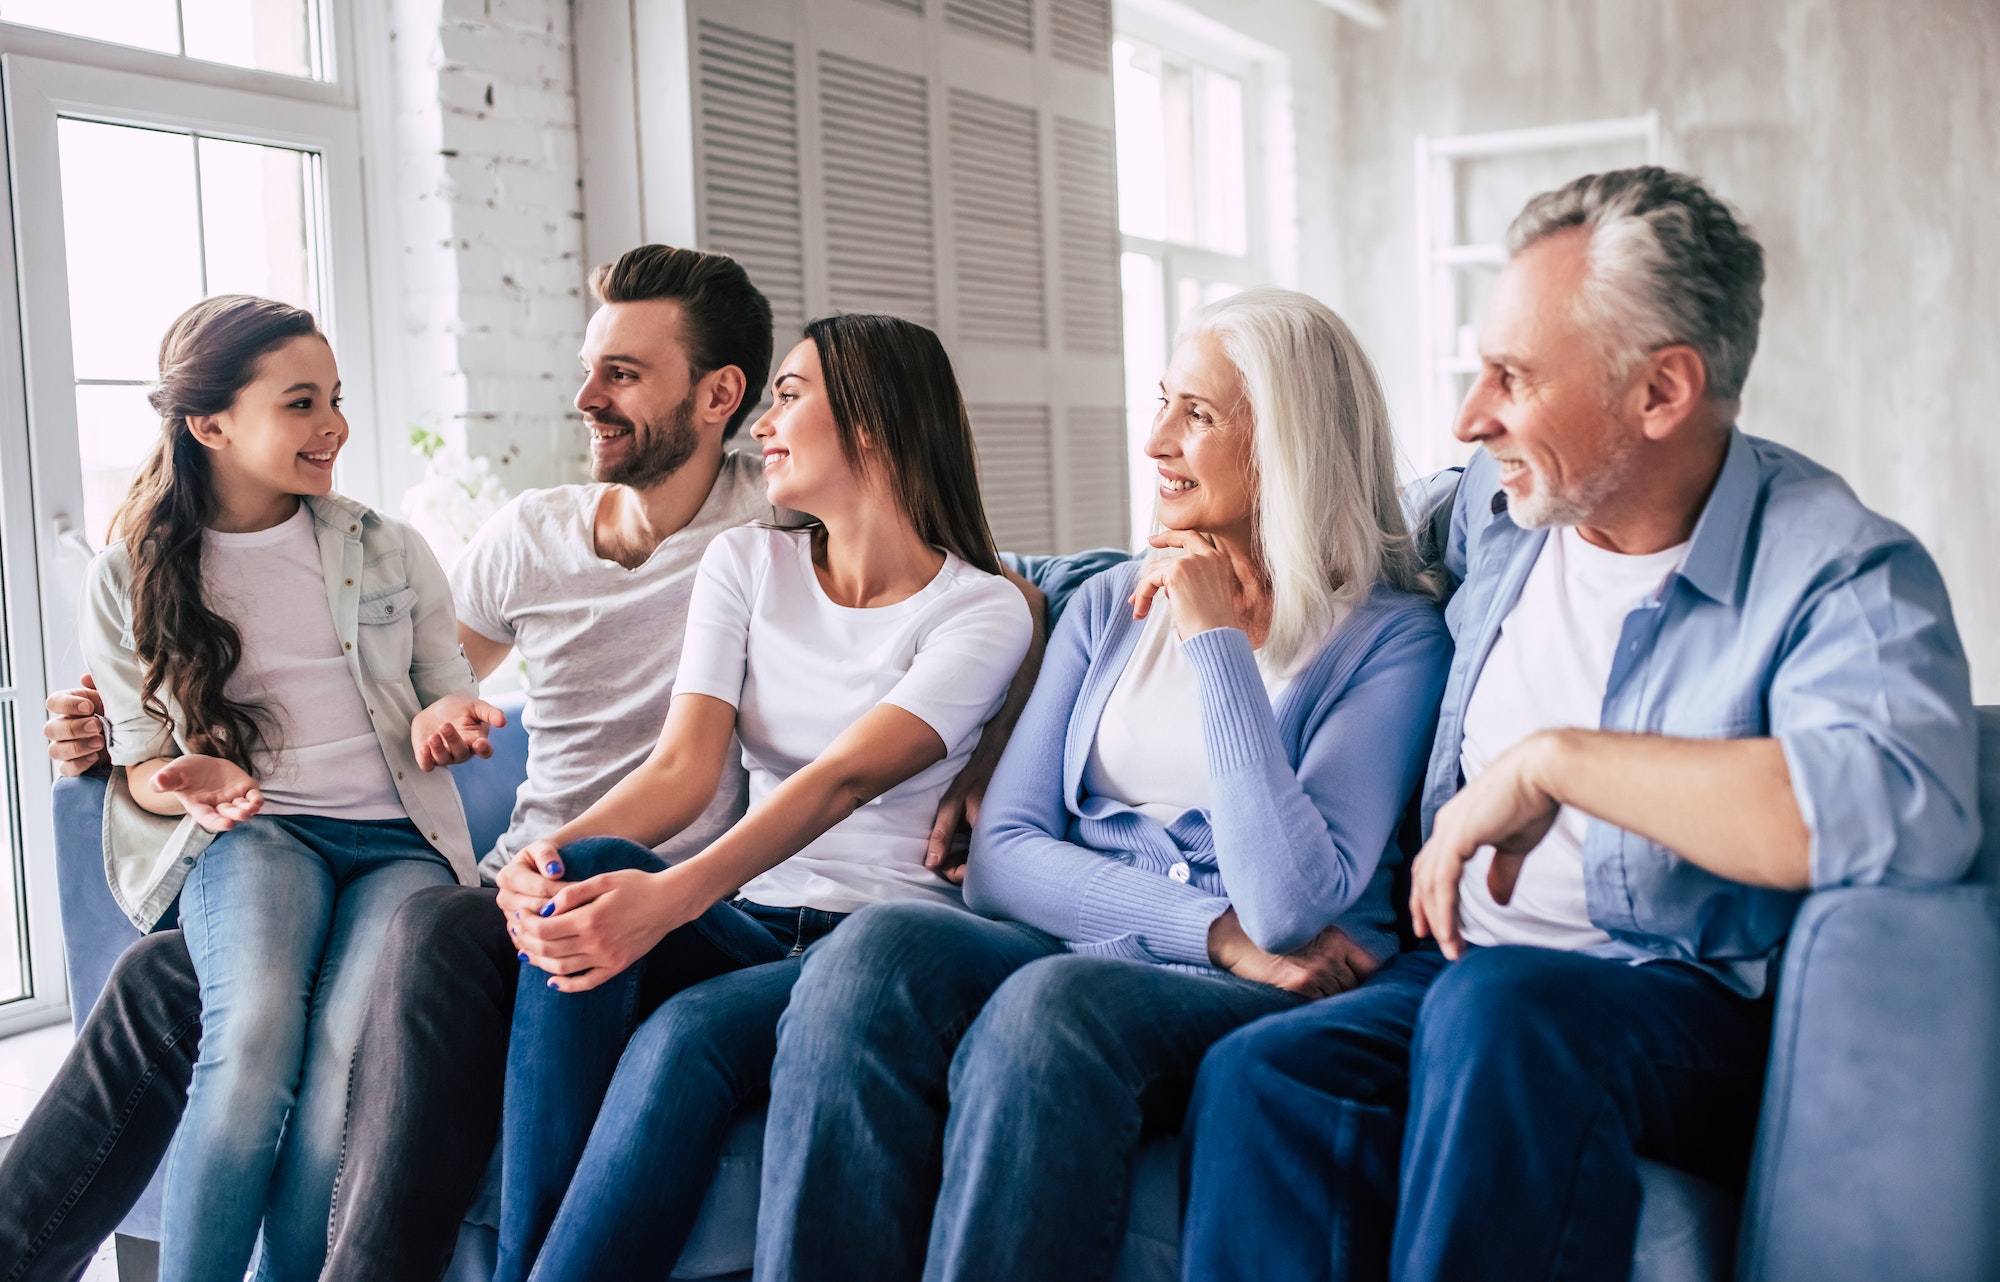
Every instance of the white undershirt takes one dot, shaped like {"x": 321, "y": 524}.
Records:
{"x": 1549, "y": 668}
{"x": 270, "y": 586}
{"x": 763, "y": 635}
{"x": 1148, "y": 752}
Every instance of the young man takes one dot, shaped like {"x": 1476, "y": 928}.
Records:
{"x": 1695, "y": 679}
{"x": 591, "y": 584}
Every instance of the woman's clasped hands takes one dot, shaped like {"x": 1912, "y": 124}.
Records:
{"x": 584, "y": 933}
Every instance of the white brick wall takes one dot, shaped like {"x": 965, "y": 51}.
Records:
{"x": 490, "y": 232}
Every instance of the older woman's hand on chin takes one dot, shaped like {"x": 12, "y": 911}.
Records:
{"x": 1330, "y": 962}
{"x": 585, "y": 933}
{"x": 1208, "y": 584}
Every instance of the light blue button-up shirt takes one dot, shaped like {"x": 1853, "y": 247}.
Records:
{"x": 1797, "y": 614}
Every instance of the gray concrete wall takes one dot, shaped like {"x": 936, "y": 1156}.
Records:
{"x": 1861, "y": 139}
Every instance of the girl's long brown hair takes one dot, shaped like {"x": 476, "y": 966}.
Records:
{"x": 209, "y": 355}
{"x": 889, "y": 382}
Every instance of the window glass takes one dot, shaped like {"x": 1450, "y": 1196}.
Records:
{"x": 267, "y": 35}
{"x": 154, "y": 221}
{"x": 148, "y": 24}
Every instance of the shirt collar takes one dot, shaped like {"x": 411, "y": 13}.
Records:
{"x": 1714, "y": 564}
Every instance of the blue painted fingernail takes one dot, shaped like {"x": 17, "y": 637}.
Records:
{"x": 552, "y": 984}
{"x": 522, "y": 956}
{"x": 555, "y": 867}
{"x": 549, "y": 908}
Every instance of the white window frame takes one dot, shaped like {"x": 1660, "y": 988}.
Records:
{"x": 1270, "y": 218}
{"x": 44, "y": 76}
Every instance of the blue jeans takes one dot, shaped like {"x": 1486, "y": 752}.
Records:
{"x": 284, "y": 916}
{"x": 1489, "y": 1109}
{"x": 960, "y": 1098}
{"x": 618, "y": 1098}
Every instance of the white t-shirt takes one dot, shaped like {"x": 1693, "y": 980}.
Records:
{"x": 270, "y": 586}
{"x": 1548, "y": 668}
{"x": 763, "y": 636}
{"x": 1148, "y": 752}
{"x": 602, "y": 644}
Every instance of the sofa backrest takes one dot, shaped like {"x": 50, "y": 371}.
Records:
{"x": 1986, "y": 869}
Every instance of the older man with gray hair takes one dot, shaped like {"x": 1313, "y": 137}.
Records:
{"x": 1695, "y": 679}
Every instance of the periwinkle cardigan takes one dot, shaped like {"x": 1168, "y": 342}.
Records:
{"x": 1305, "y": 797}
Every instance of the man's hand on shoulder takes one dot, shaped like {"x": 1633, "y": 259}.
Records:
{"x": 75, "y": 730}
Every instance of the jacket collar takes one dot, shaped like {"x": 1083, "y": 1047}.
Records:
{"x": 340, "y": 511}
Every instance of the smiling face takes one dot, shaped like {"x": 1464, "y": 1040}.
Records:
{"x": 1201, "y": 442}
{"x": 1544, "y": 405}
{"x": 638, "y": 393}
{"x": 284, "y": 430}
{"x": 804, "y": 464}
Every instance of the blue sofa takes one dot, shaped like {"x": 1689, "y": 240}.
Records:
{"x": 1878, "y": 1153}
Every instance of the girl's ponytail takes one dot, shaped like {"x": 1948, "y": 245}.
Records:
{"x": 208, "y": 356}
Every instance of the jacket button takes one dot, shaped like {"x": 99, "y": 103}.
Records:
{"x": 434, "y": 836}
{"x": 399, "y": 774}
{"x": 350, "y": 583}
{"x": 348, "y": 645}
{"x": 352, "y": 528}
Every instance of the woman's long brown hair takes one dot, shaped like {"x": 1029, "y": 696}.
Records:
{"x": 889, "y": 383}
{"x": 209, "y": 355}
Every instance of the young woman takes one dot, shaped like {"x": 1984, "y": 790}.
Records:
{"x": 1192, "y": 826}
{"x": 855, "y": 660}
{"x": 266, "y": 651}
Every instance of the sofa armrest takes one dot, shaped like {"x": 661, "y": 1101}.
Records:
{"x": 95, "y": 931}
{"x": 1876, "y": 1149}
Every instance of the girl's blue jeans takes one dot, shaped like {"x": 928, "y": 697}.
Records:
{"x": 284, "y": 917}
{"x": 618, "y": 1098}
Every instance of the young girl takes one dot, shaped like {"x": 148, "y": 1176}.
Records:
{"x": 855, "y": 661}
{"x": 264, "y": 647}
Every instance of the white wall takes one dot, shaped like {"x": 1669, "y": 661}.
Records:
{"x": 485, "y": 306}
{"x": 1858, "y": 137}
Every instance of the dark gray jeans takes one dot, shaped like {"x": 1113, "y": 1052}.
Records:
{"x": 423, "y": 1109}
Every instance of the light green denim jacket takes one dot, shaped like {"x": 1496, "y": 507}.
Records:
{"x": 392, "y": 612}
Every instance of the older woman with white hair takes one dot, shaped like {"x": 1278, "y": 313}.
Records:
{"x": 1193, "y": 826}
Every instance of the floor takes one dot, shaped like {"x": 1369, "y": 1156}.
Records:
{"x": 28, "y": 1062}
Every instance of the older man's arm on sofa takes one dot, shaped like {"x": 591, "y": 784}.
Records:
{"x": 89, "y": 1148}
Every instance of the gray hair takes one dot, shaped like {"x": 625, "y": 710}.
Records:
{"x": 1329, "y": 521}
{"x": 1669, "y": 263}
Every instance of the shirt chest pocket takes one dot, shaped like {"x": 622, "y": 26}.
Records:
{"x": 386, "y": 633}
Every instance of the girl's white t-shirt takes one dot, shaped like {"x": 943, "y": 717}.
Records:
{"x": 328, "y": 761}
{"x": 763, "y": 636}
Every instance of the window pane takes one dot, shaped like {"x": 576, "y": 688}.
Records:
{"x": 256, "y": 221}
{"x": 1223, "y": 226}
{"x": 149, "y": 24}
{"x": 117, "y": 428}
{"x": 1177, "y": 130}
{"x": 270, "y": 35}
{"x": 129, "y": 227}
{"x": 1142, "y": 172}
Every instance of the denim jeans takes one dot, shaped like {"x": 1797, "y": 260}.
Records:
{"x": 960, "y": 1098}
{"x": 284, "y": 917}
{"x": 1467, "y": 1120}
{"x": 88, "y": 1149}
{"x": 618, "y": 1099}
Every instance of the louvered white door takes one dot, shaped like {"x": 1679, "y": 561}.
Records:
{"x": 949, "y": 161}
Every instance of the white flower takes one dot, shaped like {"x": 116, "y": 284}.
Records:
{"x": 455, "y": 497}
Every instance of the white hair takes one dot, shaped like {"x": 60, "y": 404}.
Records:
{"x": 1329, "y": 519}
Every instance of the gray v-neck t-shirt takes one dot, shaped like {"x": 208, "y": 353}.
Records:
{"x": 602, "y": 645}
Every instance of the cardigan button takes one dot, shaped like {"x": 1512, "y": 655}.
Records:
{"x": 1180, "y": 872}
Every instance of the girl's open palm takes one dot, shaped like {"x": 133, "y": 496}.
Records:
{"x": 218, "y": 793}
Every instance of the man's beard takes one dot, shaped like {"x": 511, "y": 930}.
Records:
{"x": 1584, "y": 499}
{"x": 658, "y": 450}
